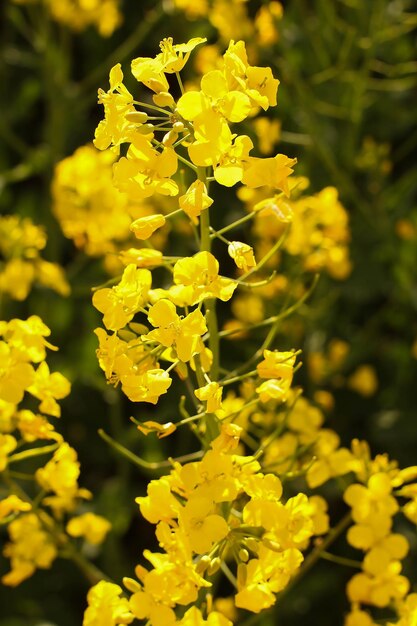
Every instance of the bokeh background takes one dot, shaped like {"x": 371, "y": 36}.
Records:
{"x": 347, "y": 111}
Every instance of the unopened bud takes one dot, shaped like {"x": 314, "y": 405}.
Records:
{"x": 131, "y": 585}
{"x": 137, "y": 117}
{"x": 169, "y": 138}
{"x": 252, "y": 544}
{"x": 202, "y": 564}
{"x": 243, "y": 555}
{"x": 163, "y": 99}
{"x": 146, "y": 129}
{"x": 126, "y": 335}
{"x": 139, "y": 329}
{"x": 178, "y": 127}
{"x": 214, "y": 566}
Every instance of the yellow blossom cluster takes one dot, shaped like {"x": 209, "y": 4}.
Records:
{"x": 34, "y": 530}
{"x": 374, "y": 503}
{"x": 233, "y": 21}
{"x": 78, "y": 15}
{"x": 21, "y": 264}
{"x": 220, "y": 512}
{"x": 232, "y": 509}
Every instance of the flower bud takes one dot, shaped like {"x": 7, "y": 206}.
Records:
{"x": 163, "y": 99}
{"x": 202, "y": 564}
{"x": 243, "y": 555}
{"x": 214, "y": 566}
{"x": 170, "y": 138}
{"x": 146, "y": 129}
{"x": 132, "y": 585}
{"x": 137, "y": 117}
{"x": 144, "y": 227}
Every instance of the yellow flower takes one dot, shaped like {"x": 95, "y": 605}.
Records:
{"x": 48, "y": 388}
{"x": 197, "y": 278}
{"x": 374, "y": 499}
{"x": 33, "y": 427}
{"x": 364, "y": 380}
{"x": 93, "y": 527}
{"x": 60, "y": 475}
{"x": 106, "y": 607}
{"x": 52, "y": 275}
{"x": 90, "y": 210}
{"x": 268, "y": 132}
{"x": 212, "y": 394}
{"x": 274, "y": 389}
{"x": 183, "y": 334}
{"x": 276, "y": 365}
{"x": 272, "y": 172}
{"x": 7, "y": 444}
{"x": 120, "y": 303}
{"x": 193, "y": 617}
{"x": 331, "y": 460}
{"x": 144, "y": 227}
{"x": 15, "y": 376}
{"x": 202, "y": 526}
{"x": 172, "y": 58}
{"x": 146, "y": 387}
{"x": 12, "y": 504}
{"x": 264, "y": 576}
{"x": 231, "y": 163}
{"x": 27, "y": 337}
{"x": 30, "y": 548}
{"x": 195, "y": 200}
{"x": 159, "y": 504}
{"x": 145, "y": 171}
{"x": 118, "y": 102}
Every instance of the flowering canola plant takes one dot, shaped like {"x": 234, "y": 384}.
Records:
{"x": 222, "y": 511}
{"x": 232, "y": 511}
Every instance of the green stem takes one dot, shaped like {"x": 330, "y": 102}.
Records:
{"x": 210, "y": 310}
{"x": 21, "y": 456}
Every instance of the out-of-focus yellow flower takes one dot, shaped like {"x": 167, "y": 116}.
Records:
{"x": 93, "y": 528}
{"x": 20, "y": 245}
{"x": 7, "y": 444}
{"x": 364, "y": 380}
{"x": 13, "y": 504}
{"x": 31, "y": 547}
{"x": 268, "y": 132}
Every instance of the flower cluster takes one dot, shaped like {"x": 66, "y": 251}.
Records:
{"x": 220, "y": 513}
{"x": 21, "y": 264}
{"x": 80, "y": 14}
{"x": 35, "y": 524}
{"x": 374, "y": 503}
